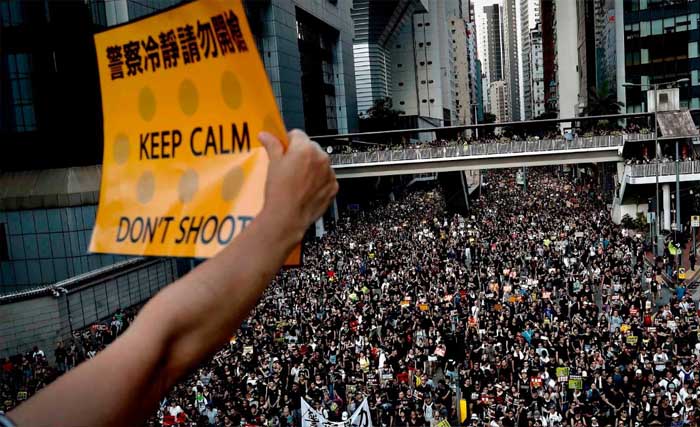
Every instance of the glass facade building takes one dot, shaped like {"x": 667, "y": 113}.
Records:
{"x": 45, "y": 246}
{"x": 661, "y": 45}
{"x": 51, "y": 122}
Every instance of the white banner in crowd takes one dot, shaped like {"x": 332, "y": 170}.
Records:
{"x": 312, "y": 418}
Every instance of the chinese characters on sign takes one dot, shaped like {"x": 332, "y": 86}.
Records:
{"x": 221, "y": 34}
{"x": 184, "y": 96}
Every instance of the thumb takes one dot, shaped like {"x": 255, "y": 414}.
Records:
{"x": 272, "y": 145}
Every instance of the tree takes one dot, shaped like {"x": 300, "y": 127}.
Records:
{"x": 381, "y": 116}
{"x": 601, "y": 102}
{"x": 489, "y": 118}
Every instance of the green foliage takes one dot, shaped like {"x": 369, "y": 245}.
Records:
{"x": 602, "y": 102}
{"x": 381, "y": 116}
{"x": 489, "y": 118}
{"x": 641, "y": 221}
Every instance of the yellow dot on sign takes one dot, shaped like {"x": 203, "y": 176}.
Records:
{"x": 270, "y": 125}
{"x": 189, "y": 99}
{"x": 120, "y": 149}
{"x": 231, "y": 90}
{"x": 147, "y": 104}
{"x": 146, "y": 187}
{"x": 233, "y": 182}
{"x": 188, "y": 186}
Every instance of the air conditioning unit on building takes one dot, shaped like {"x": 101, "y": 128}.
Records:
{"x": 666, "y": 99}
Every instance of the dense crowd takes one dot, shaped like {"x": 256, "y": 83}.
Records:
{"x": 535, "y": 309}
{"x": 23, "y": 375}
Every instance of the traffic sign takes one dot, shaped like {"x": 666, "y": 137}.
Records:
{"x": 695, "y": 221}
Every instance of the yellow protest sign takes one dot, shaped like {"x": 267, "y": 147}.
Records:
{"x": 184, "y": 95}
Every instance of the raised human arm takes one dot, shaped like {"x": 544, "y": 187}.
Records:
{"x": 189, "y": 320}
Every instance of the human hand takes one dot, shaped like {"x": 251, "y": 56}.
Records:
{"x": 300, "y": 182}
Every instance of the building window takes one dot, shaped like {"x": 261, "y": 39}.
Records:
{"x": 642, "y": 4}
{"x": 695, "y": 103}
{"x": 669, "y": 25}
{"x": 19, "y": 66}
{"x": 431, "y": 81}
{"x": 645, "y": 56}
{"x": 427, "y": 24}
{"x": 432, "y": 100}
{"x": 422, "y": 63}
{"x": 644, "y": 28}
{"x": 657, "y": 26}
{"x": 420, "y": 24}
{"x": 693, "y": 21}
{"x": 399, "y": 65}
{"x": 401, "y": 102}
{"x": 428, "y": 43}
{"x": 400, "y": 83}
{"x": 398, "y": 46}
{"x": 431, "y": 62}
{"x": 693, "y": 50}
{"x": 694, "y": 78}
{"x": 422, "y": 82}
{"x": 4, "y": 253}
{"x": 424, "y": 101}
{"x": 10, "y": 13}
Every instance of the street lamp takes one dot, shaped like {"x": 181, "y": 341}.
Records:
{"x": 655, "y": 87}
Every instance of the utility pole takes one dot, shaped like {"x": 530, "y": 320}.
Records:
{"x": 655, "y": 87}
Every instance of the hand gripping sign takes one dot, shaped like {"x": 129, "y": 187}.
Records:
{"x": 184, "y": 95}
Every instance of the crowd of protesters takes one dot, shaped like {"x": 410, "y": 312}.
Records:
{"x": 24, "y": 374}
{"x": 534, "y": 308}
{"x": 403, "y": 143}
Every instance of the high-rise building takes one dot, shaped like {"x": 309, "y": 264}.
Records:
{"x": 586, "y": 42}
{"x": 536, "y": 66}
{"x": 423, "y": 83}
{"x": 475, "y": 80}
{"x": 483, "y": 51}
{"x": 529, "y": 19}
{"x": 307, "y": 48}
{"x": 511, "y": 58}
{"x": 494, "y": 42}
{"x": 377, "y": 26}
{"x": 499, "y": 100}
{"x": 660, "y": 44}
{"x": 548, "y": 20}
{"x": 599, "y": 28}
{"x": 566, "y": 59}
{"x": 479, "y": 91}
{"x": 462, "y": 70}
{"x": 606, "y": 45}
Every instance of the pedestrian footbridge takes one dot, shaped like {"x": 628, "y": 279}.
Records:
{"x": 663, "y": 173}
{"x": 666, "y": 171}
{"x": 658, "y": 172}
{"x": 494, "y": 155}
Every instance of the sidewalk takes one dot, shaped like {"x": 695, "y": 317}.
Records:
{"x": 692, "y": 279}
